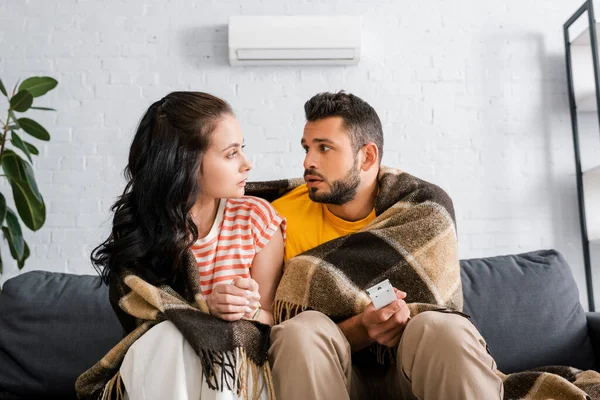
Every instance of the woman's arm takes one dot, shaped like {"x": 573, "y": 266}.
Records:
{"x": 266, "y": 271}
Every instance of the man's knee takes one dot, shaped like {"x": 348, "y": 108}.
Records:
{"x": 310, "y": 334}
{"x": 451, "y": 332}
{"x": 444, "y": 353}
{"x": 305, "y": 327}
{"x": 315, "y": 351}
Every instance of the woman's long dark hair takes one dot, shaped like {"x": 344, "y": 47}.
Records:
{"x": 152, "y": 228}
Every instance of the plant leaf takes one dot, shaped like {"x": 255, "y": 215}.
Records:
{"x": 31, "y": 180}
{"x": 2, "y": 209}
{"x": 38, "y": 85}
{"x": 32, "y": 149}
{"x": 13, "y": 165}
{"x": 43, "y": 108}
{"x": 33, "y": 128}
{"x": 27, "y": 196}
{"x": 26, "y": 254}
{"x": 0, "y": 270}
{"x": 31, "y": 210}
{"x": 11, "y": 244}
{"x": 18, "y": 143}
{"x": 21, "y": 101}
{"x": 16, "y": 168}
{"x": 13, "y": 233}
{"x": 3, "y": 90}
{"x": 9, "y": 239}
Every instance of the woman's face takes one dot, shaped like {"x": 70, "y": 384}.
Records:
{"x": 225, "y": 167}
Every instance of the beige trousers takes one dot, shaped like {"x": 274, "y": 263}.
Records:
{"x": 440, "y": 356}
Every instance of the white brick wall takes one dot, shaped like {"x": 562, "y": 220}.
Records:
{"x": 472, "y": 96}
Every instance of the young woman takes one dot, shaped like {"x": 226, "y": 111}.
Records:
{"x": 192, "y": 264}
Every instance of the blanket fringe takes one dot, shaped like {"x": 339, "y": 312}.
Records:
{"x": 245, "y": 372}
{"x": 283, "y": 310}
{"x": 268, "y": 378}
{"x": 113, "y": 388}
{"x": 384, "y": 354}
{"x": 256, "y": 390}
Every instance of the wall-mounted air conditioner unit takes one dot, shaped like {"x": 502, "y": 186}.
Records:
{"x": 294, "y": 40}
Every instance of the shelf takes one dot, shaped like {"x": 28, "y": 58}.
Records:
{"x": 583, "y": 39}
{"x": 583, "y": 73}
{"x": 591, "y": 195}
{"x": 586, "y": 101}
{"x": 583, "y": 97}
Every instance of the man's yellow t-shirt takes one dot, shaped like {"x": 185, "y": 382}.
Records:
{"x": 310, "y": 224}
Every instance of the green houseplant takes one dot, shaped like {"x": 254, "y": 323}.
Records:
{"x": 15, "y": 158}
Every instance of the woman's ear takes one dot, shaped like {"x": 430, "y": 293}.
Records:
{"x": 370, "y": 156}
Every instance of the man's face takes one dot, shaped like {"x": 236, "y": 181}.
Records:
{"x": 331, "y": 168}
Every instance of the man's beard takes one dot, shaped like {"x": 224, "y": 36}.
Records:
{"x": 342, "y": 191}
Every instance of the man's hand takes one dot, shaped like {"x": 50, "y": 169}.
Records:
{"x": 230, "y": 302}
{"x": 386, "y": 325}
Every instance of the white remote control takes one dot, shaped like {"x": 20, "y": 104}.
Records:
{"x": 381, "y": 294}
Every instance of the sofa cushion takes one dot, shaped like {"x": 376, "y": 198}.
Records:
{"x": 52, "y": 328}
{"x": 527, "y": 308}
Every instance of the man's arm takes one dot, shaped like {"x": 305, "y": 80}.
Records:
{"x": 355, "y": 333}
{"x": 384, "y": 326}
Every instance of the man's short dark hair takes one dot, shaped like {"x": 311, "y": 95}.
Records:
{"x": 360, "y": 119}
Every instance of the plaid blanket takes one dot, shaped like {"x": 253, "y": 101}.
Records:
{"x": 413, "y": 243}
{"x": 554, "y": 382}
{"x": 140, "y": 305}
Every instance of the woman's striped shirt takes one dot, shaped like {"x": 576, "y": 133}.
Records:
{"x": 242, "y": 227}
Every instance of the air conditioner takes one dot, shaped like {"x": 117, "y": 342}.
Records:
{"x": 294, "y": 40}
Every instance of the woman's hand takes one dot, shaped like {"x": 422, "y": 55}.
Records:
{"x": 250, "y": 287}
{"x": 230, "y": 302}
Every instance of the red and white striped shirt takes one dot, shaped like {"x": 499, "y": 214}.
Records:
{"x": 241, "y": 229}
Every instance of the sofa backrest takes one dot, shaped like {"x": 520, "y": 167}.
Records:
{"x": 52, "y": 328}
{"x": 527, "y": 308}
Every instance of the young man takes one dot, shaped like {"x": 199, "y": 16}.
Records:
{"x": 329, "y": 353}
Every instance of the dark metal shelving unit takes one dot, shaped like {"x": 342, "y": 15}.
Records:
{"x": 587, "y": 6}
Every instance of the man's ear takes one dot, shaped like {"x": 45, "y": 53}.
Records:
{"x": 370, "y": 156}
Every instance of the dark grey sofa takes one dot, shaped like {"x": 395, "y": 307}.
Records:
{"x": 54, "y": 326}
